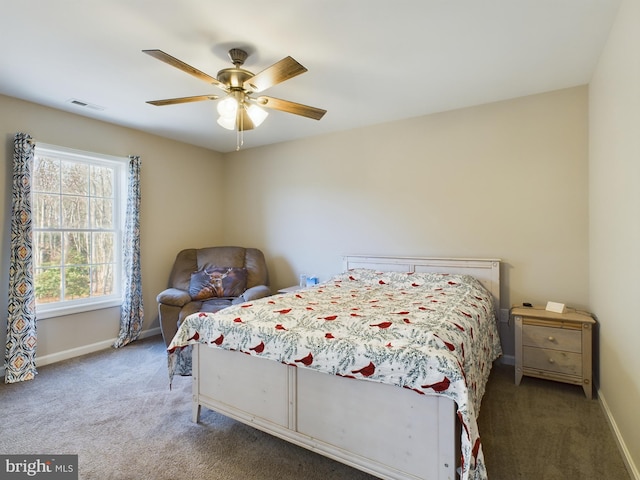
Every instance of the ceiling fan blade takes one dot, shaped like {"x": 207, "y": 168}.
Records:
{"x": 278, "y": 72}
{"x": 173, "y": 101}
{"x": 179, "y": 64}
{"x": 291, "y": 107}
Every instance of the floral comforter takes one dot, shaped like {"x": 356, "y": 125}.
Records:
{"x": 431, "y": 333}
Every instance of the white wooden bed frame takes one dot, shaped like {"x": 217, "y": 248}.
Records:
{"x": 389, "y": 432}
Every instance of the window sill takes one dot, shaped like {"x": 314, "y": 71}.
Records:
{"x": 46, "y": 311}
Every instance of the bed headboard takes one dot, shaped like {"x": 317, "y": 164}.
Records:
{"x": 486, "y": 270}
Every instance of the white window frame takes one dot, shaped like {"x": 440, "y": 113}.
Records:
{"x": 119, "y": 164}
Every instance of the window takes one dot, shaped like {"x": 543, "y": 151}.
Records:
{"x": 77, "y": 206}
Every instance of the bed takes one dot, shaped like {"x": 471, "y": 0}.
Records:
{"x": 360, "y": 375}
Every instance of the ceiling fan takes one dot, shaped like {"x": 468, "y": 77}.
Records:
{"x": 240, "y": 110}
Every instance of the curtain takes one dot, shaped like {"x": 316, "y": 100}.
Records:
{"x": 132, "y": 311}
{"x": 20, "y": 354}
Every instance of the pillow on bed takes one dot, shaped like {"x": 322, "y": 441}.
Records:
{"x": 218, "y": 282}
{"x": 364, "y": 275}
{"x": 398, "y": 279}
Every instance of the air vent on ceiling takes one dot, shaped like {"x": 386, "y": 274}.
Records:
{"x": 80, "y": 103}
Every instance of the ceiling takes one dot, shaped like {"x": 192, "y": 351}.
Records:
{"x": 369, "y": 61}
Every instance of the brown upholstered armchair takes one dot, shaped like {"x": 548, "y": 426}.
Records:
{"x": 208, "y": 280}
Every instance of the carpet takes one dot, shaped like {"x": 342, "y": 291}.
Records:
{"x": 115, "y": 411}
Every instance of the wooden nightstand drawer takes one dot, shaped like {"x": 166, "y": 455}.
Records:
{"x": 552, "y": 360}
{"x": 569, "y": 340}
{"x": 554, "y": 346}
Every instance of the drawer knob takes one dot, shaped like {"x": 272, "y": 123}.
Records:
{"x": 552, "y": 339}
{"x": 551, "y": 360}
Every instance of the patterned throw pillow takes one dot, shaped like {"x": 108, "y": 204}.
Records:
{"x": 218, "y": 282}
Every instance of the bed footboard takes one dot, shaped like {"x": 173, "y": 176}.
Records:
{"x": 389, "y": 432}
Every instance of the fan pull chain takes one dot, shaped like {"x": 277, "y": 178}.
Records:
{"x": 240, "y": 131}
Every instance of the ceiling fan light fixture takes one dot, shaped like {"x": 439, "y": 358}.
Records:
{"x": 227, "y": 122}
{"x": 256, "y": 114}
{"x": 228, "y": 107}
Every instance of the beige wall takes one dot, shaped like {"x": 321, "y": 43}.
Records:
{"x": 505, "y": 180}
{"x": 174, "y": 199}
{"x": 614, "y": 172}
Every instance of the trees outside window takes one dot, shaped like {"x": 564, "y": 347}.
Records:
{"x": 77, "y": 209}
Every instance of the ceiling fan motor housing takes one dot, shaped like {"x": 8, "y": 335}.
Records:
{"x": 234, "y": 77}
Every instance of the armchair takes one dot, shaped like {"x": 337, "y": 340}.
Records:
{"x": 185, "y": 294}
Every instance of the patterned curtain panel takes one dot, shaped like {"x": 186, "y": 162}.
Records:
{"x": 20, "y": 355}
{"x": 132, "y": 311}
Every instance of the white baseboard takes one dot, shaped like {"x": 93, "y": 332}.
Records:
{"x": 83, "y": 350}
{"x": 626, "y": 455}
{"x": 508, "y": 359}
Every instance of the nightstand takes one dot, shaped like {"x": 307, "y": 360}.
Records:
{"x": 554, "y": 346}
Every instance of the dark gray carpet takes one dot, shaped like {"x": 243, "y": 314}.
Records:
{"x": 114, "y": 409}
{"x": 545, "y": 430}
